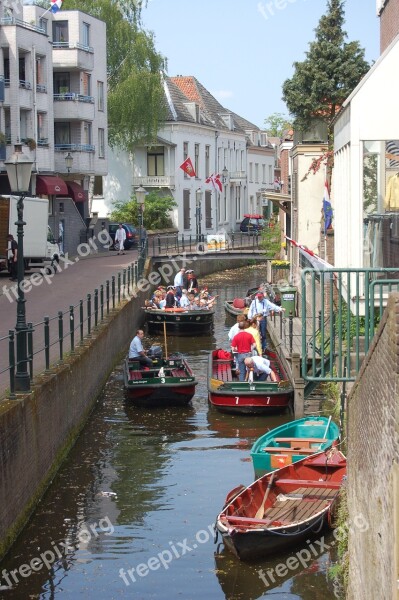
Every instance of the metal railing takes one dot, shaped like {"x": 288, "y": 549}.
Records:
{"x": 174, "y": 243}
{"x": 56, "y": 337}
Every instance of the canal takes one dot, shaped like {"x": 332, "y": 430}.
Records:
{"x": 130, "y": 514}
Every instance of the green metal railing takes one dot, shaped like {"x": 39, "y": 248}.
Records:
{"x": 341, "y": 309}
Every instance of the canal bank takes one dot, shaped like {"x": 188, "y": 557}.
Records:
{"x": 38, "y": 429}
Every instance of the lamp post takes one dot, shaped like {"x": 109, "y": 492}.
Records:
{"x": 225, "y": 175}
{"x": 140, "y": 196}
{"x": 19, "y": 170}
{"x": 198, "y": 215}
{"x": 68, "y": 161}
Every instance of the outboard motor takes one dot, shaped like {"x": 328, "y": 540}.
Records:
{"x": 155, "y": 353}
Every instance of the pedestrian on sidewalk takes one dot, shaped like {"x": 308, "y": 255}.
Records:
{"x": 12, "y": 257}
{"x": 120, "y": 238}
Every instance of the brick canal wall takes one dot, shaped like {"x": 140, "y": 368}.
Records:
{"x": 38, "y": 430}
{"x": 373, "y": 457}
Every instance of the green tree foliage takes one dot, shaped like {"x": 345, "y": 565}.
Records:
{"x": 156, "y": 213}
{"x": 136, "y": 102}
{"x": 327, "y": 76}
{"x": 276, "y": 124}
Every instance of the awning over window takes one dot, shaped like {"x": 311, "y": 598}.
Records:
{"x": 50, "y": 185}
{"x": 76, "y": 192}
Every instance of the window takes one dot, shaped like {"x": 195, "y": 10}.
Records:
{"x": 251, "y": 172}
{"x": 101, "y": 143}
{"x": 238, "y": 203}
{"x": 86, "y": 35}
{"x": 60, "y": 33}
{"x": 23, "y": 127}
{"x": 62, "y": 134}
{"x": 86, "y": 84}
{"x": 42, "y": 128}
{"x": 185, "y": 156}
{"x": 87, "y": 133}
{"x": 196, "y": 159}
{"x": 43, "y": 23}
{"x": 256, "y": 173}
{"x": 186, "y": 209}
{"x": 62, "y": 83}
{"x": 22, "y": 73}
{"x": 100, "y": 95}
{"x": 156, "y": 161}
{"x": 207, "y": 158}
{"x": 270, "y": 174}
{"x": 208, "y": 209}
{"x": 263, "y": 173}
{"x": 98, "y": 186}
{"x": 7, "y": 69}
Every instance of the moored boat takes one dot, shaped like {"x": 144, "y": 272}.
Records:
{"x": 179, "y": 321}
{"x": 282, "y": 508}
{"x": 239, "y": 306}
{"x": 292, "y": 442}
{"x": 228, "y": 394}
{"x": 170, "y": 382}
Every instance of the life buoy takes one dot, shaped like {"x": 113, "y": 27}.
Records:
{"x": 174, "y": 309}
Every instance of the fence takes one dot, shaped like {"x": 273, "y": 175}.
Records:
{"x": 173, "y": 243}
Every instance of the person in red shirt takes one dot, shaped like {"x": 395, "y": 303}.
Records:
{"x": 243, "y": 343}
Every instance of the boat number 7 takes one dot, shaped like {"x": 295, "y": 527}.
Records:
{"x": 268, "y": 399}
{"x": 162, "y": 379}
{"x": 237, "y": 399}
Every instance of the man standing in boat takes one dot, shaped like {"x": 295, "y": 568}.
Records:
{"x": 179, "y": 282}
{"x": 263, "y": 306}
{"x": 137, "y": 351}
{"x": 242, "y": 344}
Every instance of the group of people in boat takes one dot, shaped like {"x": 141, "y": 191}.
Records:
{"x": 185, "y": 294}
{"x": 248, "y": 340}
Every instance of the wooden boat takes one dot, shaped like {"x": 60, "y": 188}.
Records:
{"x": 239, "y": 306}
{"x": 291, "y": 442}
{"x": 170, "y": 382}
{"x": 228, "y": 394}
{"x": 282, "y": 508}
{"x": 179, "y": 321}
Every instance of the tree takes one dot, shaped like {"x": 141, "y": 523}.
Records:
{"x": 156, "y": 213}
{"x": 136, "y": 103}
{"x": 276, "y": 124}
{"x": 327, "y": 76}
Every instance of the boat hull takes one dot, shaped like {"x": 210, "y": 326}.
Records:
{"x": 192, "y": 323}
{"x": 249, "y": 403}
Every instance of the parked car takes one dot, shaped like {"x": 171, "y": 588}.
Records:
{"x": 132, "y": 235}
{"x": 252, "y": 224}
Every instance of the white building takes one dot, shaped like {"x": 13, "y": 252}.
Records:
{"x": 218, "y": 142}
{"x": 53, "y": 67}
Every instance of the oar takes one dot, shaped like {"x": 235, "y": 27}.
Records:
{"x": 261, "y": 510}
{"x": 325, "y": 433}
{"x": 164, "y": 335}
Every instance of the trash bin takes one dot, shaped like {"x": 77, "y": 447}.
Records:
{"x": 288, "y": 299}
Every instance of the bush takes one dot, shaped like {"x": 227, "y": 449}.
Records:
{"x": 156, "y": 213}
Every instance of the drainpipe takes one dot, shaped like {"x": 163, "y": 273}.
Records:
{"x": 217, "y": 194}
{"x": 34, "y": 107}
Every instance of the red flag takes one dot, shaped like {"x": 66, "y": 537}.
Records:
{"x": 188, "y": 168}
{"x": 215, "y": 181}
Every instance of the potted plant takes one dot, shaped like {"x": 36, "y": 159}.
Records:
{"x": 30, "y": 142}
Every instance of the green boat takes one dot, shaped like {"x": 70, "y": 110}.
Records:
{"x": 291, "y": 442}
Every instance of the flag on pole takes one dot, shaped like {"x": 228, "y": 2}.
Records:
{"x": 188, "y": 168}
{"x": 56, "y": 5}
{"x": 327, "y": 209}
{"x": 215, "y": 181}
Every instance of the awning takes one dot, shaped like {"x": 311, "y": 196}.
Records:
{"x": 282, "y": 200}
{"x": 76, "y": 192}
{"x": 50, "y": 185}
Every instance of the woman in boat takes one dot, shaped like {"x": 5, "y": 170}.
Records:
{"x": 184, "y": 300}
{"x": 170, "y": 297}
{"x": 254, "y": 329}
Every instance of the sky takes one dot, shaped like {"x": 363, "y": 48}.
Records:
{"x": 243, "y": 50}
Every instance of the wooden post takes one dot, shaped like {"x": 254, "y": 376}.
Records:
{"x": 299, "y": 386}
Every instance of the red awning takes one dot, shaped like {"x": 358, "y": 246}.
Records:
{"x": 76, "y": 192}
{"x": 50, "y": 185}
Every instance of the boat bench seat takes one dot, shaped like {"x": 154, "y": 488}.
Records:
{"x": 302, "y": 442}
{"x": 178, "y": 373}
{"x": 335, "y": 485}
{"x": 222, "y": 370}
{"x": 283, "y": 450}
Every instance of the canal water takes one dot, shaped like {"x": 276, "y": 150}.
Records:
{"x": 130, "y": 514}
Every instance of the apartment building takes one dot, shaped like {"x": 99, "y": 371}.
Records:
{"x": 217, "y": 141}
{"x": 53, "y": 68}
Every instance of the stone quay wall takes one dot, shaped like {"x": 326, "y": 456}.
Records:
{"x": 373, "y": 473}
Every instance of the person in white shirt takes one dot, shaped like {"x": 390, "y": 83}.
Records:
{"x": 236, "y": 327}
{"x": 184, "y": 301}
{"x": 137, "y": 351}
{"x": 120, "y": 237}
{"x": 261, "y": 368}
{"x": 263, "y": 306}
{"x": 178, "y": 282}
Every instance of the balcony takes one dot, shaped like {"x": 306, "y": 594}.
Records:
{"x": 20, "y": 23}
{"x": 155, "y": 181}
{"x": 72, "y": 56}
{"x": 71, "y": 106}
{"x": 83, "y": 158}
{"x": 237, "y": 176}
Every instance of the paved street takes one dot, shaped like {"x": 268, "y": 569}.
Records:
{"x": 66, "y": 288}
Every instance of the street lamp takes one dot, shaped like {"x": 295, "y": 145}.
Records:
{"x": 140, "y": 197}
{"x": 68, "y": 161}
{"x": 19, "y": 171}
{"x": 198, "y": 215}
